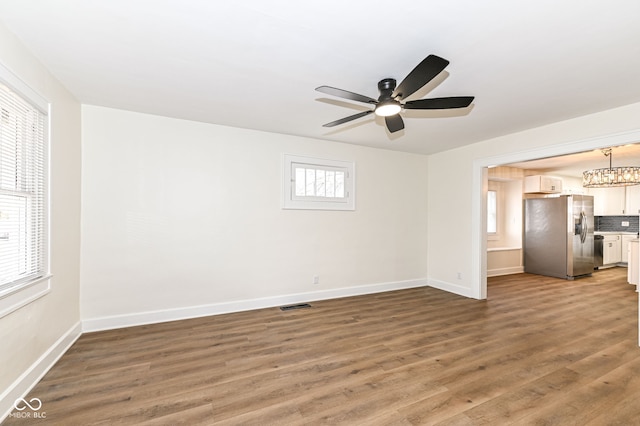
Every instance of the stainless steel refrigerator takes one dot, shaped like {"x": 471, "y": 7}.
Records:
{"x": 558, "y": 236}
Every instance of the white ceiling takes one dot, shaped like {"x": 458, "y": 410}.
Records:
{"x": 573, "y": 165}
{"x": 255, "y": 63}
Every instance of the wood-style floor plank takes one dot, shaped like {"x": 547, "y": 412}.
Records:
{"x": 539, "y": 350}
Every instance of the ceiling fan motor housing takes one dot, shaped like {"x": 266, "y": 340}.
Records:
{"x": 386, "y": 88}
{"x": 387, "y": 106}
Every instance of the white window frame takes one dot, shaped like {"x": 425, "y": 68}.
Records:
{"x": 20, "y": 293}
{"x": 311, "y": 202}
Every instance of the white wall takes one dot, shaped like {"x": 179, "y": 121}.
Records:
{"x": 449, "y": 221}
{"x": 456, "y": 240}
{"x": 33, "y": 336}
{"x": 572, "y": 185}
{"x": 182, "y": 218}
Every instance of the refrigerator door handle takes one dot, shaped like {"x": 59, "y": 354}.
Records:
{"x": 584, "y": 227}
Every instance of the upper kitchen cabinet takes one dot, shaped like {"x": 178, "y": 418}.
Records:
{"x": 608, "y": 201}
{"x": 541, "y": 184}
{"x": 633, "y": 199}
{"x": 616, "y": 201}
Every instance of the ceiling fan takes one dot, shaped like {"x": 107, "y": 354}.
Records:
{"x": 390, "y": 102}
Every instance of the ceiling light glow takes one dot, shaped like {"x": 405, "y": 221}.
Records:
{"x": 388, "y": 108}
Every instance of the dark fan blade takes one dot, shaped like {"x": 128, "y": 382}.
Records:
{"x": 345, "y": 94}
{"x": 440, "y": 103}
{"x": 426, "y": 70}
{"x": 394, "y": 123}
{"x": 347, "y": 119}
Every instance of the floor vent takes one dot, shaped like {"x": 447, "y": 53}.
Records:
{"x": 291, "y": 307}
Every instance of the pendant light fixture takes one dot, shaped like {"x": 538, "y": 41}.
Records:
{"x": 612, "y": 176}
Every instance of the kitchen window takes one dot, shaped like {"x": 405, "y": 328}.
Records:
{"x": 23, "y": 195}
{"x": 318, "y": 184}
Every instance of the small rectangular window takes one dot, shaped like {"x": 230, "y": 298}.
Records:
{"x": 314, "y": 182}
{"x": 319, "y": 184}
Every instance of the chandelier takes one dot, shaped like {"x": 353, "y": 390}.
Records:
{"x": 612, "y": 176}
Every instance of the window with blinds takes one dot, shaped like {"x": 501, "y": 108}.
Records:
{"x": 318, "y": 184}
{"x": 22, "y": 191}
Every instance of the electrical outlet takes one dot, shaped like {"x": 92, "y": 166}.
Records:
{"x": 316, "y": 279}
{"x": 625, "y": 223}
{"x": 459, "y": 275}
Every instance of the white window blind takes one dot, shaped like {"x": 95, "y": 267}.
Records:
{"x": 22, "y": 190}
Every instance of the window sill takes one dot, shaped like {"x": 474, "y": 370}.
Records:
{"x": 24, "y": 294}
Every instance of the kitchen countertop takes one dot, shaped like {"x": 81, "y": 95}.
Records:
{"x": 614, "y": 233}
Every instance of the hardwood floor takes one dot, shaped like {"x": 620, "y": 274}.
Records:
{"x": 539, "y": 351}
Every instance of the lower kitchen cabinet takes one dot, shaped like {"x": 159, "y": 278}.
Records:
{"x": 634, "y": 260}
{"x": 626, "y": 240}
{"x": 611, "y": 249}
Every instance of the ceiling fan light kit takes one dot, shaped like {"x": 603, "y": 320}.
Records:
{"x": 612, "y": 176}
{"x": 387, "y": 108}
{"x": 390, "y": 102}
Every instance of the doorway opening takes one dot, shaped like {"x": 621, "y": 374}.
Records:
{"x": 570, "y": 154}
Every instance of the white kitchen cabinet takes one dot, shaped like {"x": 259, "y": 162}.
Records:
{"x": 611, "y": 249}
{"x": 608, "y": 201}
{"x": 541, "y": 184}
{"x": 616, "y": 201}
{"x": 633, "y": 273}
{"x": 626, "y": 239}
{"x": 633, "y": 199}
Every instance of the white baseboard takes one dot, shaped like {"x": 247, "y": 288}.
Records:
{"x": 452, "y": 288}
{"x": 36, "y": 371}
{"x": 505, "y": 271}
{"x": 150, "y": 317}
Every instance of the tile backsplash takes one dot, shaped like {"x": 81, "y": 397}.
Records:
{"x": 614, "y": 223}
